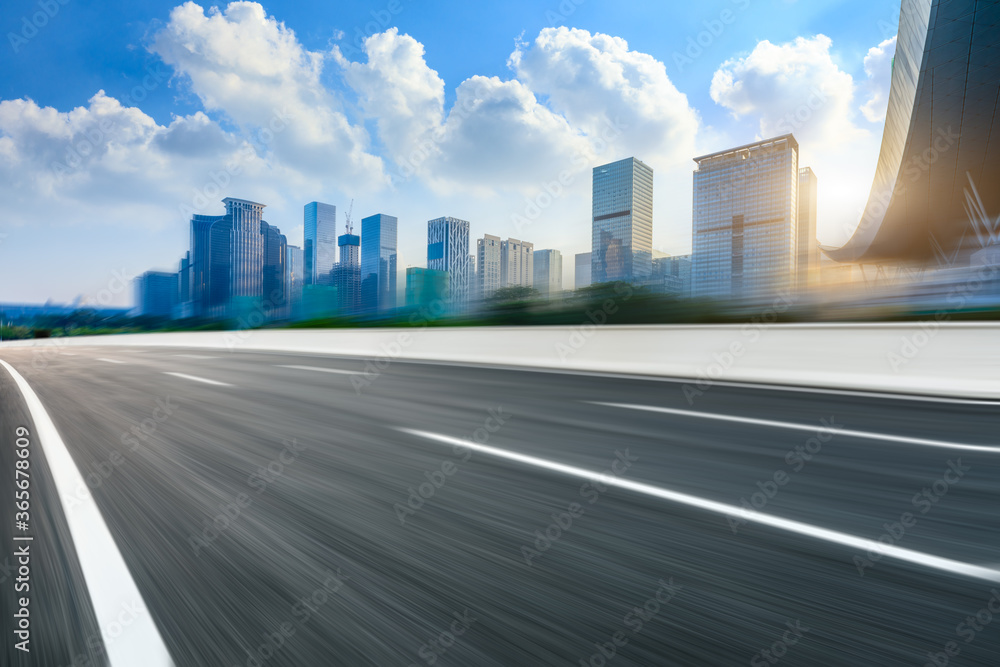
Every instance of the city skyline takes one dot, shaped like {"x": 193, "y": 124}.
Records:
{"x": 202, "y": 144}
{"x": 728, "y": 269}
{"x": 753, "y": 236}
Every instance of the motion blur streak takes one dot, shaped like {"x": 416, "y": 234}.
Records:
{"x": 946, "y": 564}
{"x": 292, "y": 476}
{"x": 108, "y": 579}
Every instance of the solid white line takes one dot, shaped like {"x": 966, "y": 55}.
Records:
{"x": 198, "y": 379}
{"x": 860, "y": 543}
{"x": 320, "y": 370}
{"x": 107, "y": 576}
{"x": 868, "y": 435}
{"x": 110, "y": 361}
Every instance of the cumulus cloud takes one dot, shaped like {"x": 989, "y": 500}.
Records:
{"x": 573, "y": 91}
{"x": 106, "y": 162}
{"x": 792, "y": 88}
{"x": 498, "y": 133}
{"x": 397, "y": 88}
{"x": 595, "y": 80}
{"x": 878, "y": 67}
{"x": 252, "y": 68}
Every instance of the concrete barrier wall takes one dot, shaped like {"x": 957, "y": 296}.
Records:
{"x": 942, "y": 359}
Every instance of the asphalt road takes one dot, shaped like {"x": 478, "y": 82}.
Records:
{"x": 273, "y": 516}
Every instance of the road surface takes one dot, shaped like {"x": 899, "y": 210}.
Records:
{"x": 288, "y": 509}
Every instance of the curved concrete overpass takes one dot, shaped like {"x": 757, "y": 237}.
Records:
{"x": 940, "y": 137}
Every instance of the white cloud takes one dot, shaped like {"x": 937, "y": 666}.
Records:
{"x": 252, "y": 68}
{"x": 399, "y": 90}
{"x": 594, "y": 79}
{"x": 94, "y": 162}
{"x": 498, "y": 135}
{"x": 878, "y": 67}
{"x": 792, "y": 88}
{"x": 797, "y": 87}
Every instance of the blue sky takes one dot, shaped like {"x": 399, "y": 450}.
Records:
{"x": 219, "y": 77}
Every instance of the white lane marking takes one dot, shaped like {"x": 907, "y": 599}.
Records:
{"x": 107, "y": 577}
{"x": 198, "y": 379}
{"x": 110, "y": 361}
{"x": 320, "y": 370}
{"x": 868, "y": 435}
{"x": 69, "y": 354}
{"x": 863, "y": 544}
{"x": 195, "y": 356}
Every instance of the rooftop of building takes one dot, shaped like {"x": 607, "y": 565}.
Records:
{"x": 786, "y": 138}
{"x": 627, "y": 159}
{"x": 234, "y": 200}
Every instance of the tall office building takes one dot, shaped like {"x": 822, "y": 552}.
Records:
{"x": 378, "y": 262}
{"x": 622, "y": 215}
{"x": 517, "y": 262}
{"x": 275, "y": 286}
{"x": 319, "y": 251}
{"x": 547, "y": 277}
{"x": 200, "y": 267}
{"x": 671, "y": 274}
{"x": 155, "y": 294}
{"x": 487, "y": 266}
{"x": 745, "y": 220}
{"x": 184, "y": 279}
{"x": 808, "y": 247}
{"x": 227, "y": 257}
{"x": 347, "y": 273}
{"x": 448, "y": 250}
{"x": 247, "y": 269}
{"x": 582, "y": 267}
{"x": 293, "y": 275}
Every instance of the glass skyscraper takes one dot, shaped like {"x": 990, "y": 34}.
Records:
{"x": 293, "y": 275}
{"x": 155, "y": 293}
{"x": 378, "y": 262}
{"x": 347, "y": 273}
{"x": 808, "y": 247}
{"x": 583, "y": 266}
{"x": 548, "y": 271}
{"x": 622, "y": 242}
{"x": 247, "y": 247}
{"x": 320, "y": 244}
{"x": 227, "y": 259}
{"x": 275, "y": 286}
{"x": 448, "y": 250}
{"x": 745, "y": 220}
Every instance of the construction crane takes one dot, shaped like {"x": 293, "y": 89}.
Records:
{"x": 350, "y": 225}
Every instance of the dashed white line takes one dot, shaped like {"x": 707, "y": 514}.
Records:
{"x": 110, "y": 361}
{"x": 107, "y": 577}
{"x": 845, "y": 539}
{"x": 195, "y": 378}
{"x": 868, "y": 435}
{"x": 320, "y": 370}
{"x": 194, "y": 356}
